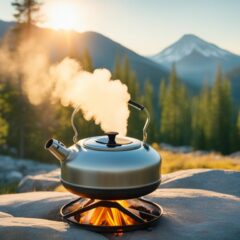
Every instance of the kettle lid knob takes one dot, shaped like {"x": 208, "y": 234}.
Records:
{"x": 111, "y": 138}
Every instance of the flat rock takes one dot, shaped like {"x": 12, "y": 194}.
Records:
{"x": 41, "y": 182}
{"x": 33, "y": 228}
{"x": 195, "y": 214}
{"x": 188, "y": 214}
{"x": 4, "y": 215}
{"x": 222, "y": 181}
{"x": 44, "y": 205}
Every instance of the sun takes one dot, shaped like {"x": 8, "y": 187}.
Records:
{"x": 63, "y": 15}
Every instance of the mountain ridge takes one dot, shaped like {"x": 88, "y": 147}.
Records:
{"x": 103, "y": 51}
{"x": 196, "y": 60}
{"x": 192, "y": 42}
{"x": 5, "y": 26}
{"x": 195, "y": 65}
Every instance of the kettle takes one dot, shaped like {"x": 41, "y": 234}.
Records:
{"x": 108, "y": 167}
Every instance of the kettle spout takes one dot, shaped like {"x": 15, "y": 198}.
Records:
{"x": 58, "y": 149}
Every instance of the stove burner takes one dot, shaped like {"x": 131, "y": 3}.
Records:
{"x": 140, "y": 214}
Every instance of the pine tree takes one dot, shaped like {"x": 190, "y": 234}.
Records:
{"x": 123, "y": 72}
{"x": 161, "y": 98}
{"x": 117, "y": 70}
{"x": 174, "y": 111}
{"x": 148, "y": 103}
{"x": 162, "y": 92}
{"x": 136, "y": 119}
{"x": 26, "y": 16}
{"x": 237, "y": 143}
{"x": 3, "y": 130}
{"x": 212, "y": 117}
{"x": 86, "y": 61}
{"x": 127, "y": 73}
{"x": 165, "y": 125}
{"x": 235, "y": 131}
{"x": 215, "y": 110}
{"x": 26, "y": 12}
{"x": 200, "y": 120}
{"x": 184, "y": 115}
{"x": 226, "y": 117}
{"x": 220, "y": 114}
{"x": 4, "y": 108}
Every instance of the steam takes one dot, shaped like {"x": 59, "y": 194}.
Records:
{"x": 100, "y": 98}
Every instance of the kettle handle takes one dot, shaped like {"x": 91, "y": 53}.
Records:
{"x": 75, "y": 137}
{"x": 141, "y": 108}
{"x": 131, "y": 103}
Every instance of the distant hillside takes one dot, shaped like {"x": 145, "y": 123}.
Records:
{"x": 196, "y": 59}
{"x": 4, "y": 27}
{"x": 103, "y": 51}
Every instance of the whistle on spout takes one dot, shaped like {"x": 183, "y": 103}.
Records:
{"x": 58, "y": 149}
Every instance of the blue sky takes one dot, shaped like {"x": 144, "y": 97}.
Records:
{"x": 148, "y": 26}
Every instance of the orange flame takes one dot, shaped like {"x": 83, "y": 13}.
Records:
{"x": 103, "y": 216}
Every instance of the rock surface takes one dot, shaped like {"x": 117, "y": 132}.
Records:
{"x": 190, "y": 211}
{"x": 222, "y": 181}
{"x": 13, "y": 170}
{"x": 41, "y": 182}
{"x": 33, "y": 228}
{"x": 235, "y": 155}
{"x": 176, "y": 149}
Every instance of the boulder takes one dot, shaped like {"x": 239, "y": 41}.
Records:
{"x": 235, "y": 155}
{"x": 5, "y": 215}
{"x": 13, "y": 176}
{"x": 41, "y": 182}
{"x": 222, "y": 181}
{"x": 176, "y": 149}
{"x": 12, "y": 170}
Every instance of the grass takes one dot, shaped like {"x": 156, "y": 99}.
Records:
{"x": 8, "y": 188}
{"x": 179, "y": 161}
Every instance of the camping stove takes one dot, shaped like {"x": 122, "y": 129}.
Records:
{"x": 115, "y": 216}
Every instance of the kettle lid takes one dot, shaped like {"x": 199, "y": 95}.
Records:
{"x": 110, "y": 142}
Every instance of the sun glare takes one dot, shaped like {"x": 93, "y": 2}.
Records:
{"x": 63, "y": 15}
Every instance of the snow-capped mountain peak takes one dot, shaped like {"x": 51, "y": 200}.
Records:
{"x": 186, "y": 45}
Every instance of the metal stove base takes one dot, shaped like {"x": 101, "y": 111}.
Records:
{"x": 145, "y": 219}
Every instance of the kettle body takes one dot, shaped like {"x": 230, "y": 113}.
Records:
{"x": 108, "y": 167}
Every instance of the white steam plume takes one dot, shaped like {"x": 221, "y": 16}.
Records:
{"x": 99, "y": 97}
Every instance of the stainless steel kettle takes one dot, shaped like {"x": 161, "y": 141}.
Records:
{"x": 108, "y": 167}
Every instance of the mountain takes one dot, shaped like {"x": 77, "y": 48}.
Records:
{"x": 4, "y": 27}
{"x": 102, "y": 49}
{"x": 196, "y": 59}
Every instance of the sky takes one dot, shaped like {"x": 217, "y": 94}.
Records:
{"x": 148, "y": 26}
